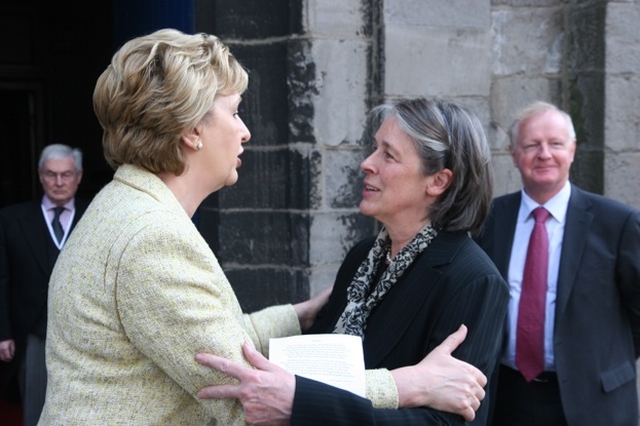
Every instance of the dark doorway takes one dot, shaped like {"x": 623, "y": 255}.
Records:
{"x": 19, "y": 115}
{"x": 53, "y": 53}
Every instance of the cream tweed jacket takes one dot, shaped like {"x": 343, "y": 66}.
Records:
{"x": 134, "y": 295}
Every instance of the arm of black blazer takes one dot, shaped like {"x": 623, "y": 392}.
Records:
{"x": 482, "y": 306}
{"x": 318, "y": 404}
{"x": 628, "y": 273}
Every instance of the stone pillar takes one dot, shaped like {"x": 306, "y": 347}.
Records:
{"x": 526, "y": 59}
{"x": 583, "y": 89}
{"x": 281, "y": 232}
{"x": 622, "y": 103}
{"x": 330, "y": 81}
{"x": 259, "y": 227}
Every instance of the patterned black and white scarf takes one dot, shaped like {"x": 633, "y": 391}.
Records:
{"x": 360, "y": 301}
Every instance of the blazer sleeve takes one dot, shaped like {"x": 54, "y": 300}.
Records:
{"x": 481, "y": 306}
{"x": 318, "y": 404}
{"x": 272, "y": 322}
{"x": 174, "y": 301}
{"x": 628, "y": 273}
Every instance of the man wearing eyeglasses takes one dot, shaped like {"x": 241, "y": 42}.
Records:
{"x": 31, "y": 237}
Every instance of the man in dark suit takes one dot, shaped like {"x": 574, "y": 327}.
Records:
{"x": 590, "y": 319}
{"x": 31, "y": 236}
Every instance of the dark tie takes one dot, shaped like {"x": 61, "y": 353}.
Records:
{"x": 55, "y": 224}
{"x": 530, "y": 334}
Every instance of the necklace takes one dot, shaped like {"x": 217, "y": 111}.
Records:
{"x": 388, "y": 256}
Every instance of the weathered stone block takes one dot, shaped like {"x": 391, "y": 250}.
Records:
{"x": 258, "y": 238}
{"x": 249, "y": 19}
{"x": 586, "y": 31}
{"x": 480, "y": 107}
{"x": 262, "y": 287}
{"x": 528, "y": 41}
{"x": 436, "y": 61}
{"x": 301, "y": 84}
{"x": 437, "y": 13}
{"x": 334, "y": 233}
{"x": 342, "y": 92}
{"x": 264, "y": 108}
{"x": 322, "y": 276}
{"x": 262, "y": 181}
{"x": 534, "y": 3}
{"x": 621, "y": 113}
{"x": 341, "y": 19}
{"x": 587, "y": 169}
{"x": 328, "y": 103}
{"x": 621, "y": 183}
{"x": 510, "y": 94}
{"x": 622, "y": 38}
{"x": 506, "y": 178}
{"x": 285, "y": 178}
{"x": 343, "y": 177}
{"x": 586, "y": 91}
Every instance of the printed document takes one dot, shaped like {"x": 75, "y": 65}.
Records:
{"x": 335, "y": 359}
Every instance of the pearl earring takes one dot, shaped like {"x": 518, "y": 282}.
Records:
{"x": 199, "y": 145}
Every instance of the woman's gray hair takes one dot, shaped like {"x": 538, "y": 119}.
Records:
{"x": 448, "y": 136}
{"x": 58, "y": 150}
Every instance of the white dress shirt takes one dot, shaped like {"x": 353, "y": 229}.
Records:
{"x": 66, "y": 218}
{"x": 557, "y": 206}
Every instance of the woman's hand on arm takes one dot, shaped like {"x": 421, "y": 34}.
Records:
{"x": 308, "y": 310}
{"x": 441, "y": 381}
{"x": 266, "y": 391}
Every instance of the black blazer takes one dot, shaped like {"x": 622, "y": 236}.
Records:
{"x": 597, "y": 320}
{"x": 27, "y": 256}
{"x": 451, "y": 283}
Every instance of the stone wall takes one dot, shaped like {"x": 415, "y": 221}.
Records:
{"x": 621, "y": 107}
{"x": 493, "y": 57}
{"x": 259, "y": 228}
{"x": 316, "y": 68}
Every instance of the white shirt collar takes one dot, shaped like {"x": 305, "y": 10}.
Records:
{"x": 557, "y": 205}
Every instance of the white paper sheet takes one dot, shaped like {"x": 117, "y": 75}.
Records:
{"x": 335, "y": 359}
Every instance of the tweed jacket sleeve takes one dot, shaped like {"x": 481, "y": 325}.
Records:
{"x": 173, "y": 303}
{"x": 272, "y": 322}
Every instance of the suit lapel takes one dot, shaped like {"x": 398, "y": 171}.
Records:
{"x": 576, "y": 229}
{"x": 504, "y": 229}
{"x": 36, "y": 233}
{"x": 408, "y": 295}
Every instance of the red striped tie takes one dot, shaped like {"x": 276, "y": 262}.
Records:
{"x": 530, "y": 335}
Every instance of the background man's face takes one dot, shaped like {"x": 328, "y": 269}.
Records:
{"x": 60, "y": 179}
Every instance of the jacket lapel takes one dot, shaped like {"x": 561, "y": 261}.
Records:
{"x": 504, "y": 229}
{"x": 576, "y": 229}
{"x": 409, "y": 295}
{"x": 35, "y": 232}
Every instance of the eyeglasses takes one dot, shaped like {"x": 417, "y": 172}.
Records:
{"x": 64, "y": 176}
